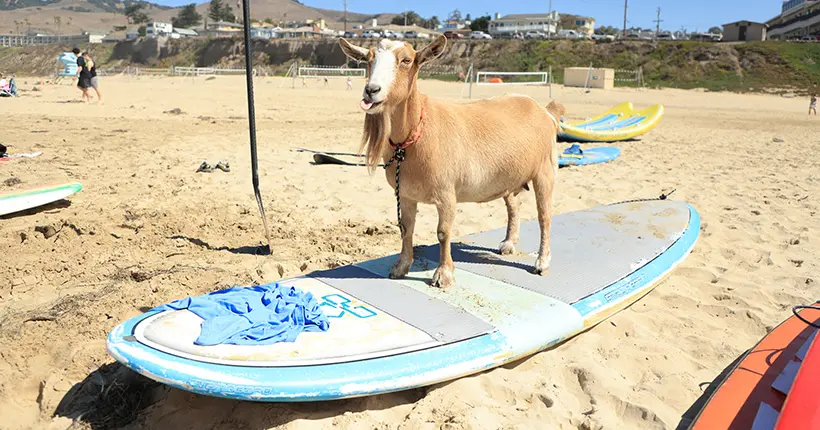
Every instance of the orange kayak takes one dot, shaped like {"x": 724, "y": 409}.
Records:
{"x": 775, "y": 386}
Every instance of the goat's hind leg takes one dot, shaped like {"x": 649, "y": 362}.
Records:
{"x": 513, "y": 203}
{"x": 402, "y": 266}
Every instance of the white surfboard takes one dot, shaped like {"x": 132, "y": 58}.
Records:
{"x": 389, "y": 335}
{"x": 28, "y": 199}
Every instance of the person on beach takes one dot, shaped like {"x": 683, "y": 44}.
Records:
{"x": 93, "y": 81}
{"x": 83, "y": 79}
{"x": 813, "y": 105}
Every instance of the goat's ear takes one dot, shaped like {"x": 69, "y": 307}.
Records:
{"x": 432, "y": 51}
{"x": 355, "y": 52}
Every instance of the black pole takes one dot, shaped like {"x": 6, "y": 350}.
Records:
{"x": 246, "y": 22}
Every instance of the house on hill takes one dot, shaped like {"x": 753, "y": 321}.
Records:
{"x": 181, "y": 33}
{"x": 223, "y": 29}
{"x": 741, "y": 31}
{"x": 581, "y": 24}
{"x": 522, "y": 23}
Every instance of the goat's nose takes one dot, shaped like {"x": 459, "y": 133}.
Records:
{"x": 372, "y": 89}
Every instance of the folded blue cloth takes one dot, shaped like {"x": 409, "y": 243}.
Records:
{"x": 575, "y": 149}
{"x": 260, "y": 315}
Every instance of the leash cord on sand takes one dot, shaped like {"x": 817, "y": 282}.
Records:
{"x": 246, "y": 13}
{"x": 797, "y": 308}
{"x": 663, "y": 196}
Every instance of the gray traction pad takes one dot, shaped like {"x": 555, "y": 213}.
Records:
{"x": 440, "y": 320}
{"x": 590, "y": 249}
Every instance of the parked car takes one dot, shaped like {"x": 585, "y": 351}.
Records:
{"x": 453, "y": 35}
{"x": 371, "y": 34}
{"x": 569, "y": 34}
{"x": 603, "y": 37}
{"x": 665, "y": 36}
{"x": 480, "y": 35}
{"x": 350, "y": 35}
{"x": 411, "y": 34}
{"x": 535, "y": 35}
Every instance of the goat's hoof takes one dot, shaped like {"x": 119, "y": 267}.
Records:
{"x": 400, "y": 269}
{"x": 443, "y": 278}
{"x": 542, "y": 265}
{"x": 507, "y": 248}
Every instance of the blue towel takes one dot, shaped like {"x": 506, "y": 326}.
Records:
{"x": 574, "y": 150}
{"x": 260, "y": 315}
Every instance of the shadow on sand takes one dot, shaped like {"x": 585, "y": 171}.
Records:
{"x": 113, "y": 396}
{"x": 59, "y": 204}
{"x": 246, "y": 250}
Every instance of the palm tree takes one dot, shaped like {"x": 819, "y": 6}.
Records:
{"x": 28, "y": 23}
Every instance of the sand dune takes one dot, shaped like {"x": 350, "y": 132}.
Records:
{"x": 147, "y": 229}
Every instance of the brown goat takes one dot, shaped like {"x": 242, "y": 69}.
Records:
{"x": 455, "y": 152}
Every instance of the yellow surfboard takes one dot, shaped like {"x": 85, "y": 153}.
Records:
{"x": 622, "y": 122}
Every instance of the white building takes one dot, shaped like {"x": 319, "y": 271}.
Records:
{"x": 181, "y": 33}
{"x": 522, "y": 23}
{"x": 156, "y": 29}
{"x": 798, "y": 18}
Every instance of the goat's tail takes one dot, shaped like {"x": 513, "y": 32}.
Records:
{"x": 556, "y": 109}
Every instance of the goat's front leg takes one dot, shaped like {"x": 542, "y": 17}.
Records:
{"x": 443, "y": 277}
{"x": 543, "y": 185}
{"x": 513, "y": 223}
{"x": 400, "y": 269}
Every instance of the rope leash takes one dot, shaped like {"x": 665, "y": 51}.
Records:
{"x": 797, "y": 308}
{"x": 663, "y": 196}
{"x": 398, "y": 157}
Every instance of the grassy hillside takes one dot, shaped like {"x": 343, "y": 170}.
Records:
{"x": 754, "y": 66}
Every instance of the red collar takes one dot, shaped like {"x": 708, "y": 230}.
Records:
{"x": 414, "y": 137}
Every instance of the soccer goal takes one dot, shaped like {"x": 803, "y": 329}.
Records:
{"x": 330, "y": 72}
{"x": 512, "y": 78}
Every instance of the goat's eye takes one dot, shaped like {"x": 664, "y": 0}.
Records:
{"x": 406, "y": 61}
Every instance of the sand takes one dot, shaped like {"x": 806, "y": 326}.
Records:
{"x": 147, "y": 229}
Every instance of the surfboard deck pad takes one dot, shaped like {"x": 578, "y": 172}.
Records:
{"x": 388, "y": 335}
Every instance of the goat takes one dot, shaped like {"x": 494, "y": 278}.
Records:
{"x": 455, "y": 152}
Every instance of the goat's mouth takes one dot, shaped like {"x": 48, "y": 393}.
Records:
{"x": 368, "y": 105}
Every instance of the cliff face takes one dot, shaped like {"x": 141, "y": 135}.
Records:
{"x": 737, "y": 67}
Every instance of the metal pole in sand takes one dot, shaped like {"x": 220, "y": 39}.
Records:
{"x": 246, "y": 23}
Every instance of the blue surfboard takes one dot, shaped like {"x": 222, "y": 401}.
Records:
{"x": 591, "y": 156}
{"x": 390, "y": 335}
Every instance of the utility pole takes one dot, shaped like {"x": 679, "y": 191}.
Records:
{"x": 549, "y": 23}
{"x": 658, "y": 24}
{"x": 345, "y": 1}
{"x": 625, "y": 8}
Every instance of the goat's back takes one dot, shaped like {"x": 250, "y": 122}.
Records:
{"x": 484, "y": 149}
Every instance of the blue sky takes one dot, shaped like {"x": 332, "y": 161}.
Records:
{"x": 692, "y": 14}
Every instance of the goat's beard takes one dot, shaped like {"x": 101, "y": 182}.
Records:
{"x": 375, "y": 138}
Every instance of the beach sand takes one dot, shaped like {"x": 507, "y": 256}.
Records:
{"x": 147, "y": 229}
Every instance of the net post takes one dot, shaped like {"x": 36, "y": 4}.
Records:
{"x": 550, "y": 84}
{"x": 471, "y": 73}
